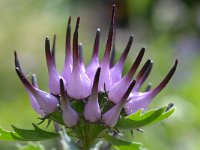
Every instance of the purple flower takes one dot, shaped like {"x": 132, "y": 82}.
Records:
{"x": 46, "y": 101}
{"x": 105, "y": 77}
{"x": 141, "y": 100}
{"x": 110, "y": 117}
{"x": 92, "y": 110}
{"x": 94, "y": 62}
{"x": 33, "y": 100}
{"x": 116, "y": 70}
{"x": 118, "y": 89}
{"x": 100, "y": 86}
{"x": 79, "y": 85}
{"x": 67, "y": 69}
{"x": 54, "y": 77}
{"x": 69, "y": 115}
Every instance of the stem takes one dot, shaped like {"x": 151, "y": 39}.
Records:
{"x": 57, "y": 129}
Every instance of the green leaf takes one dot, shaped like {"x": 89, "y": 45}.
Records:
{"x": 122, "y": 144}
{"x": 6, "y": 135}
{"x": 27, "y": 135}
{"x": 138, "y": 119}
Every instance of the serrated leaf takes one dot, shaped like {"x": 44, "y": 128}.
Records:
{"x": 122, "y": 144}
{"x": 6, "y": 135}
{"x": 138, "y": 119}
{"x": 27, "y": 135}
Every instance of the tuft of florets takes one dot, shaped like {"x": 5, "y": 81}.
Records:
{"x": 105, "y": 93}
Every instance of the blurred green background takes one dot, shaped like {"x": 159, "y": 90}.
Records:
{"x": 167, "y": 29}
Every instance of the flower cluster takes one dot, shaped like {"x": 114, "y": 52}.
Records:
{"x": 79, "y": 83}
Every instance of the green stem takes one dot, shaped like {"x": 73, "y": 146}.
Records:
{"x": 87, "y": 133}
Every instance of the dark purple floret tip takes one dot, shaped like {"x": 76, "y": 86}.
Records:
{"x": 69, "y": 20}
{"x": 77, "y": 22}
{"x": 128, "y": 91}
{"x": 113, "y": 14}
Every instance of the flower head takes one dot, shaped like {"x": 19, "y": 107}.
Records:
{"x": 100, "y": 86}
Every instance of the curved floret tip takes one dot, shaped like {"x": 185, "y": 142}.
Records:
{"x": 165, "y": 80}
{"x": 113, "y": 14}
{"x": 94, "y": 62}
{"x": 53, "y": 50}
{"x": 116, "y": 70}
{"x": 119, "y": 88}
{"x": 141, "y": 76}
{"x": 141, "y": 100}
{"x": 54, "y": 77}
{"x": 47, "y": 102}
{"x": 92, "y": 110}
{"x": 69, "y": 115}
{"x": 33, "y": 100}
{"x": 111, "y": 117}
{"x": 136, "y": 64}
{"x": 67, "y": 69}
{"x": 79, "y": 86}
{"x": 16, "y": 61}
{"x": 76, "y": 63}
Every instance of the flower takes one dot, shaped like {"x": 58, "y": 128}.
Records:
{"x": 92, "y": 110}
{"x": 116, "y": 91}
{"x": 94, "y": 62}
{"x": 69, "y": 115}
{"x": 141, "y": 100}
{"x": 110, "y": 117}
{"x": 79, "y": 86}
{"x": 100, "y": 86}
{"x": 46, "y": 101}
{"x": 33, "y": 100}
{"x": 67, "y": 69}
